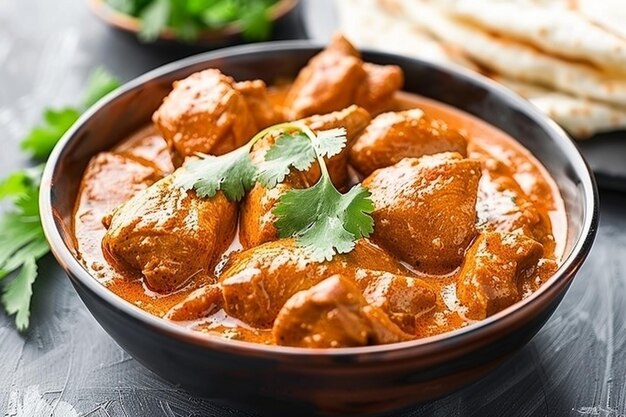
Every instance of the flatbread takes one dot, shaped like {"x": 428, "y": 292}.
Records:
{"x": 609, "y": 14}
{"x": 581, "y": 98}
{"x": 368, "y": 25}
{"x": 516, "y": 60}
{"x": 580, "y": 117}
{"x": 560, "y": 32}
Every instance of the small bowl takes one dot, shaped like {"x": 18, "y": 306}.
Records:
{"x": 208, "y": 38}
{"x": 273, "y": 379}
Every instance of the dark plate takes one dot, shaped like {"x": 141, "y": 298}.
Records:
{"x": 605, "y": 153}
{"x": 291, "y": 381}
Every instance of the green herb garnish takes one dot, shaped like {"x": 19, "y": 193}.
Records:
{"x": 188, "y": 18}
{"x": 40, "y": 141}
{"x": 323, "y": 220}
{"x": 233, "y": 173}
{"x": 22, "y": 241}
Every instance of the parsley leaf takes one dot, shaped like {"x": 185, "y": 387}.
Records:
{"x": 323, "y": 220}
{"x": 289, "y": 150}
{"x": 232, "y": 173}
{"x": 40, "y": 141}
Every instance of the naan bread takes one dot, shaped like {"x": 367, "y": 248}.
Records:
{"x": 580, "y": 117}
{"x": 565, "y": 56}
{"x": 559, "y": 32}
{"x": 516, "y": 60}
{"x": 368, "y": 25}
{"x": 609, "y": 14}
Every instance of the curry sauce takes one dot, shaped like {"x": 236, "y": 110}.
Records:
{"x": 410, "y": 279}
{"x": 485, "y": 142}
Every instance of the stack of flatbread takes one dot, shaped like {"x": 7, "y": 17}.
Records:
{"x": 568, "y": 57}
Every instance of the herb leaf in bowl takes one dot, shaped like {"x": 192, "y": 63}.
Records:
{"x": 323, "y": 220}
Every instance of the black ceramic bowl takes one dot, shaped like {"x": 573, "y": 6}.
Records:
{"x": 295, "y": 380}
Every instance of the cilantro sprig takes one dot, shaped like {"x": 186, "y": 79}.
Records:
{"x": 40, "y": 141}
{"x": 233, "y": 173}
{"x": 187, "y": 19}
{"x": 323, "y": 220}
{"x": 22, "y": 241}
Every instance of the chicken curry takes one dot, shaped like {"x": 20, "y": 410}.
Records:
{"x": 465, "y": 222}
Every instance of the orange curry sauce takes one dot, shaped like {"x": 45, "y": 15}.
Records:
{"x": 501, "y": 155}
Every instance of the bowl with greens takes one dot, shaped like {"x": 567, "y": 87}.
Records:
{"x": 199, "y": 22}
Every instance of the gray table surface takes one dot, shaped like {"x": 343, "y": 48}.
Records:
{"x": 67, "y": 366}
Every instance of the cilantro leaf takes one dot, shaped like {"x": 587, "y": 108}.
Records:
{"x": 17, "y": 294}
{"x": 99, "y": 85}
{"x": 41, "y": 140}
{"x": 232, "y": 173}
{"x": 124, "y": 6}
{"x": 22, "y": 241}
{"x": 357, "y": 206}
{"x": 330, "y": 142}
{"x": 154, "y": 19}
{"x": 289, "y": 150}
{"x": 323, "y": 220}
{"x": 20, "y": 182}
{"x": 219, "y": 13}
{"x": 255, "y": 22}
{"x": 189, "y": 18}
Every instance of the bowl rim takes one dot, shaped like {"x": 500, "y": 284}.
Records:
{"x": 365, "y": 354}
{"x": 131, "y": 24}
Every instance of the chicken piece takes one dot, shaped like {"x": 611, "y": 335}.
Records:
{"x": 503, "y": 206}
{"x": 257, "y": 221}
{"x": 333, "y": 314}
{"x": 354, "y": 119}
{"x": 377, "y": 92}
{"x": 150, "y": 149}
{"x": 169, "y": 235}
{"x": 258, "y": 281}
{"x": 109, "y": 180}
{"x": 255, "y": 94}
{"x": 545, "y": 269}
{"x": 495, "y": 268}
{"x": 425, "y": 209}
{"x": 401, "y": 297}
{"x": 205, "y": 113}
{"x": 395, "y": 135}
{"x": 336, "y": 78}
{"x": 200, "y": 303}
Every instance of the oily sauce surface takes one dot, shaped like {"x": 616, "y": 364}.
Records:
{"x": 144, "y": 157}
